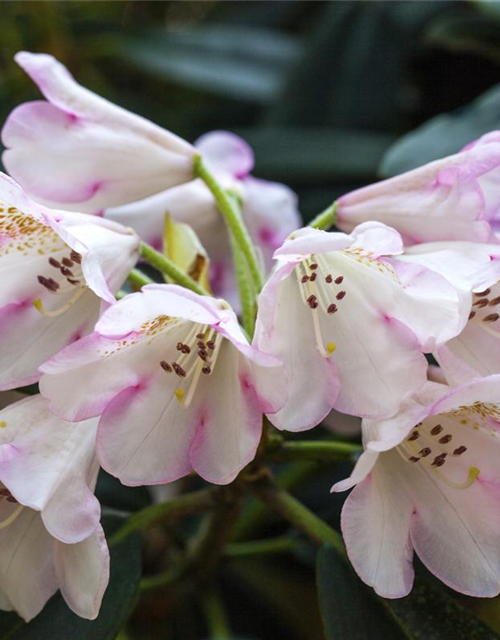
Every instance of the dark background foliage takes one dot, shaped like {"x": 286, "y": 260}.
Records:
{"x": 331, "y": 95}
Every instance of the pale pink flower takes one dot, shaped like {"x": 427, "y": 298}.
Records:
{"x": 351, "y": 322}
{"x": 269, "y": 209}
{"x": 428, "y": 482}
{"x": 50, "y": 535}
{"x": 449, "y": 199}
{"x": 178, "y": 386}
{"x": 56, "y": 268}
{"x": 79, "y": 148}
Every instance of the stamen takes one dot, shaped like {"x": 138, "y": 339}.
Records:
{"x": 482, "y": 302}
{"x": 446, "y": 438}
{"x": 313, "y": 266}
{"x": 481, "y": 294}
{"x": 494, "y": 302}
{"x": 340, "y": 295}
{"x": 492, "y": 317}
{"x": 436, "y": 430}
{"x": 76, "y": 257}
{"x": 472, "y": 314}
{"x": 67, "y": 262}
{"x": 48, "y": 283}
{"x": 329, "y": 278}
{"x": 13, "y": 516}
{"x": 165, "y": 366}
{"x": 38, "y": 304}
{"x": 459, "y": 450}
{"x": 339, "y": 280}
{"x": 305, "y": 279}
{"x": 313, "y": 277}
{"x": 178, "y": 370}
{"x": 332, "y": 308}
{"x": 55, "y": 263}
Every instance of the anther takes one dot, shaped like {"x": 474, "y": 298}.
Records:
{"x": 211, "y": 344}
{"x": 340, "y": 295}
{"x": 73, "y": 280}
{"x": 445, "y": 439}
{"x": 48, "y": 283}
{"x": 482, "y": 302}
{"x": 313, "y": 266}
{"x": 206, "y": 370}
{"x": 179, "y": 346}
{"x": 55, "y": 263}
{"x": 312, "y": 301}
{"x": 439, "y": 460}
{"x": 494, "y": 302}
{"x": 332, "y": 308}
{"x": 66, "y": 272}
{"x": 329, "y": 278}
{"x": 493, "y": 317}
{"x": 67, "y": 262}
{"x": 413, "y": 459}
{"x": 203, "y": 355}
{"x": 200, "y": 336}
{"x": 178, "y": 370}
{"x": 76, "y": 257}
{"x": 339, "y": 280}
{"x": 459, "y": 450}
{"x": 414, "y": 436}
{"x": 313, "y": 277}
{"x": 426, "y": 451}
{"x": 165, "y": 366}
{"x": 481, "y": 294}
{"x": 472, "y": 314}
{"x": 11, "y": 499}
{"x": 436, "y": 430}
{"x": 305, "y": 279}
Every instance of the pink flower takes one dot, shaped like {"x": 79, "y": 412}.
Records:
{"x": 428, "y": 481}
{"x": 350, "y": 323}
{"x": 56, "y": 268}
{"x": 177, "y": 384}
{"x": 269, "y": 209}
{"x": 80, "y": 148}
{"x": 450, "y": 199}
{"x": 50, "y": 535}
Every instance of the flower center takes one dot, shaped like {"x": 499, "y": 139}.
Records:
{"x": 198, "y": 353}
{"x": 64, "y": 278}
{"x": 433, "y": 444}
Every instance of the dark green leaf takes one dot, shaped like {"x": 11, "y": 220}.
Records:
{"x": 58, "y": 622}
{"x": 349, "y": 609}
{"x": 444, "y": 135}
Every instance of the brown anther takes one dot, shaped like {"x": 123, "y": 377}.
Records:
{"x": 11, "y": 499}
{"x": 66, "y": 272}
{"x": 200, "y": 336}
{"x": 211, "y": 344}
{"x": 329, "y": 278}
{"x": 494, "y": 301}
{"x": 332, "y": 308}
{"x": 313, "y": 277}
{"x": 203, "y": 355}
{"x": 178, "y": 370}
{"x": 312, "y": 301}
{"x": 339, "y": 280}
{"x": 313, "y": 266}
{"x": 414, "y": 436}
{"x": 413, "y": 459}
{"x": 55, "y": 263}
{"x": 481, "y": 294}
{"x": 459, "y": 450}
{"x": 472, "y": 314}
{"x": 482, "y": 302}
{"x": 179, "y": 346}
{"x": 73, "y": 280}
{"x": 4, "y": 492}
{"x": 492, "y": 317}
{"x": 436, "y": 430}
{"x": 305, "y": 279}
{"x": 200, "y": 344}
{"x": 186, "y": 348}
{"x": 48, "y": 283}
{"x": 67, "y": 262}
{"x": 426, "y": 451}
{"x": 446, "y": 438}
{"x": 76, "y": 257}
{"x": 439, "y": 460}
{"x": 340, "y": 295}
{"x": 165, "y": 366}
{"x": 206, "y": 370}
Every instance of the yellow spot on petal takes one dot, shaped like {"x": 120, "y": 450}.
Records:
{"x": 330, "y": 348}
{"x": 179, "y": 394}
{"x": 2, "y": 424}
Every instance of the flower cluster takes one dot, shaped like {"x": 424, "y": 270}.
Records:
{"x": 155, "y": 384}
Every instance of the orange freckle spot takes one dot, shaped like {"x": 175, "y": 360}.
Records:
{"x": 3, "y": 424}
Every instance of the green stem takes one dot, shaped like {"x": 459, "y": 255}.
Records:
{"x": 233, "y": 220}
{"x": 290, "y": 509}
{"x": 138, "y": 279}
{"x": 326, "y": 218}
{"x": 169, "y": 268}
{"x": 314, "y": 450}
{"x": 216, "y": 617}
{"x": 278, "y": 544}
{"x": 247, "y": 296}
{"x": 189, "y": 503}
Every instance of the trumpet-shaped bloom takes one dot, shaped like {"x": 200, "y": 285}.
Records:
{"x": 449, "y": 199}
{"x": 269, "y": 209}
{"x": 428, "y": 482}
{"x": 49, "y": 517}
{"x": 79, "y": 148}
{"x": 351, "y": 322}
{"x": 55, "y": 268}
{"x": 177, "y": 384}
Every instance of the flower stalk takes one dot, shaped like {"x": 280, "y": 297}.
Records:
{"x": 326, "y": 218}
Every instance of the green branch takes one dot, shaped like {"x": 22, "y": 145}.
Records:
{"x": 326, "y": 218}
{"x": 278, "y": 544}
{"x": 233, "y": 220}
{"x": 169, "y": 268}
{"x": 138, "y": 279}
{"x": 326, "y": 451}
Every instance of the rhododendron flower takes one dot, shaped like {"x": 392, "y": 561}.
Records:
{"x": 177, "y": 384}
{"x": 50, "y": 536}
{"x": 269, "y": 209}
{"x": 80, "y": 148}
{"x": 55, "y": 268}
{"x": 350, "y": 323}
{"x": 428, "y": 482}
{"x": 449, "y": 199}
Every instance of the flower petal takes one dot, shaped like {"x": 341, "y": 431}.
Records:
{"x": 226, "y": 152}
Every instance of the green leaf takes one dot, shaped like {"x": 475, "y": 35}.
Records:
{"x": 350, "y": 609}
{"x": 236, "y": 62}
{"x": 444, "y": 135}
{"x": 58, "y": 622}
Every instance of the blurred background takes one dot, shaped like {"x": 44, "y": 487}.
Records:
{"x": 331, "y": 96}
